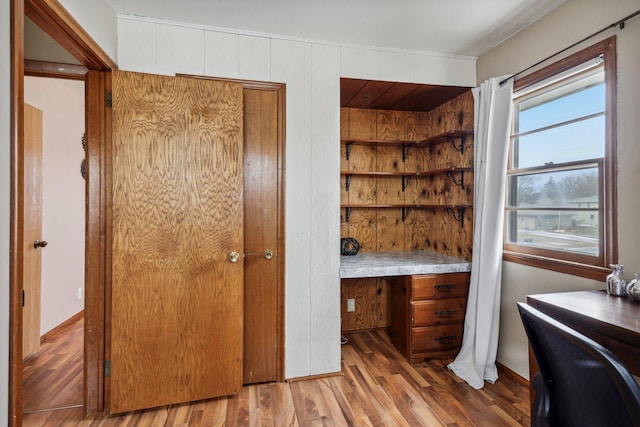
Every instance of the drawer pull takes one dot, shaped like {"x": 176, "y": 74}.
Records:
{"x": 445, "y": 314}
{"x": 444, "y": 288}
{"x": 446, "y": 339}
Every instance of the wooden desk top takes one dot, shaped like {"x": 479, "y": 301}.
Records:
{"x": 612, "y": 321}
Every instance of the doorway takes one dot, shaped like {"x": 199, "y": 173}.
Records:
{"x": 66, "y": 31}
{"x": 58, "y": 297}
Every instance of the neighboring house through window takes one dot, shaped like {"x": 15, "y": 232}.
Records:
{"x": 561, "y": 192}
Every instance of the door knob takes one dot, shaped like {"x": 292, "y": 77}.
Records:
{"x": 268, "y": 254}
{"x": 39, "y": 244}
{"x": 234, "y": 256}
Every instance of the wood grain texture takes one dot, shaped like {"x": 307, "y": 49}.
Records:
{"x": 344, "y": 123}
{"x": 176, "y": 331}
{"x": 431, "y": 230}
{"x": 390, "y": 125}
{"x": 362, "y": 123}
{"x": 344, "y": 225}
{"x": 417, "y": 226}
{"x": 364, "y": 292}
{"x": 363, "y": 158}
{"x": 410, "y": 126}
{"x": 53, "y": 377}
{"x": 376, "y": 387}
{"x": 383, "y": 306}
{"x": 363, "y": 227}
{"x": 98, "y": 251}
{"x": 390, "y": 231}
{"x": 32, "y": 223}
{"x": 260, "y": 344}
{"x": 16, "y": 20}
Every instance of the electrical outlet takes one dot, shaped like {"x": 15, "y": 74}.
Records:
{"x": 351, "y": 305}
{"x": 79, "y": 293}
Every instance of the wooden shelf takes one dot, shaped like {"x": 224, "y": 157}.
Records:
{"x": 445, "y": 137}
{"x": 406, "y": 208}
{"x": 450, "y": 137}
{"x": 406, "y": 176}
{"x": 383, "y": 173}
{"x": 376, "y": 142}
{"x": 363, "y": 206}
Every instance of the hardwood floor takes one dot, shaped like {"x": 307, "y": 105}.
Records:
{"x": 378, "y": 387}
{"x": 52, "y": 377}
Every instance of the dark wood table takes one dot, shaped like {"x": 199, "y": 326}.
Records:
{"x": 612, "y": 321}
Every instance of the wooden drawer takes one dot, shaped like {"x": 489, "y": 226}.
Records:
{"x": 438, "y": 312}
{"x": 451, "y": 285}
{"x": 436, "y": 338}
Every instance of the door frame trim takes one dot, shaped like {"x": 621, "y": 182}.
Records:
{"x": 281, "y": 90}
{"x": 63, "y": 28}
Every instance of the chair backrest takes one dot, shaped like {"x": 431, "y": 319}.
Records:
{"x": 584, "y": 384}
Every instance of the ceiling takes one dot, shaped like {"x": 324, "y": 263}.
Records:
{"x": 458, "y": 27}
{"x": 372, "y": 94}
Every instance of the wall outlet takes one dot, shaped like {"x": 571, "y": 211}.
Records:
{"x": 351, "y": 305}
{"x": 80, "y": 293}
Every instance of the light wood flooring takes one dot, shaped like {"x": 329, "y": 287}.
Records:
{"x": 377, "y": 387}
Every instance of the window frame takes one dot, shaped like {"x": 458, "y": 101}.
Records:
{"x": 571, "y": 263}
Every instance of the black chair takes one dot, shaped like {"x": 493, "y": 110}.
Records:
{"x": 580, "y": 383}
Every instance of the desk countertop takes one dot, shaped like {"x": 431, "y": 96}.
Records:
{"x": 382, "y": 264}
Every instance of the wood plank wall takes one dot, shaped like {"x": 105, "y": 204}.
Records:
{"x": 382, "y": 230}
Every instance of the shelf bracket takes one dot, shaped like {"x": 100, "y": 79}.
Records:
{"x": 405, "y": 213}
{"x": 347, "y": 149}
{"x": 452, "y": 178}
{"x": 405, "y": 182}
{"x": 405, "y": 150}
{"x": 459, "y": 216}
{"x": 460, "y": 147}
{"x": 347, "y": 214}
{"x": 347, "y": 182}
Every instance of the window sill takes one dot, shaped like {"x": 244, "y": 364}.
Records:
{"x": 567, "y": 267}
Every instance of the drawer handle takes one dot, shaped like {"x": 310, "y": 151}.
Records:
{"x": 446, "y": 339}
{"x": 444, "y": 288}
{"x": 445, "y": 314}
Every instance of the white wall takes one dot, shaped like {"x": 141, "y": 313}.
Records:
{"x": 311, "y": 72}
{"x": 98, "y": 19}
{"x": 5, "y": 144}
{"x": 63, "y": 195}
{"x": 565, "y": 25}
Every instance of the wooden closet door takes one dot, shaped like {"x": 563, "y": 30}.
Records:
{"x": 260, "y": 235}
{"x": 176, "y": 325}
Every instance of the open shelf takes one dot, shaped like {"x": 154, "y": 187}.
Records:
{"x": 450, "y": 137}
{"x": 406, "y": 176}
{"x": 457, "y": 211}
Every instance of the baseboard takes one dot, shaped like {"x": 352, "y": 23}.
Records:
{"x": 61, "y": 328}
{"x": 511, "y": 374}
{"x": 314, "y": 377}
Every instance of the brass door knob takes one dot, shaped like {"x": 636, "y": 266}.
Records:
{"x": 39, "y": 244}
{"x": 234, "y": 256}
{"x": 268, "y": 254}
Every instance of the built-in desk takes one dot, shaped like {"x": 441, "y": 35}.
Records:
{"x": 426, "y": 301}
{"x": 613, "y": 322}
{"x": 388, "y": 264}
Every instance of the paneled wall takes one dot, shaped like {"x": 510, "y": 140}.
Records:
{"x": 383, "y": 229}
{"x": 311, "y": 72}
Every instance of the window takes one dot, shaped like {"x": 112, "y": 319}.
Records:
{"x": 560, "y": 206}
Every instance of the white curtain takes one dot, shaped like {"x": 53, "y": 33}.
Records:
{"x": 493, "y": 108}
